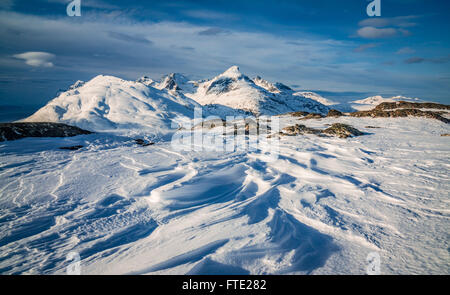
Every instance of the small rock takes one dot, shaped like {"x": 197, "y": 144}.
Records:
{"x": 142, "y": 142}
{"x": 71, "y": 148}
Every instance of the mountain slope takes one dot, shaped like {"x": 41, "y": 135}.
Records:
{"x": 237, "y": 91}
{"x": 108, "y": 103}
{"x": 316, "y": 97}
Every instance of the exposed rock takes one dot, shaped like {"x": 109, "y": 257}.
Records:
{"x": 337, "y": 129}
{"x": 411, "y": 105}
{"x": 378, "y": 113}
{"x": 71, "y": 148}
{"x": 299, "y": 129}
{"x": 334, "y": 113}
{"x": 312, "y": 116}
{"x": 342, "y": 130}
{"x": 210, "y": 124}
{"x": 297, "y": 114}
{"x": 247, "y": 126}
{"x": 372, "y": 127}
{"x": 142, "y": 142}
{"x": 13, "y": 131}
{"x": 445, "y": 134}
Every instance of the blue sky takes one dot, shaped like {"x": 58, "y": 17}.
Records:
{"x": 324, "y": 45}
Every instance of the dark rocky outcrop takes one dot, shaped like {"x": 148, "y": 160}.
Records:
{"x": 299, "y": 129}
{"x": 247, "y": 126}
{"x": 342, "y": 130}
{"x": 399, "y": 113}
{"x": 334, "y": 113}
{"x": 411, "y": 105}
{"x": 142, "y": 142}
{"x": 210, "y": 124}
{"x": 13, "y": 131}
{"x": 71, "y": 148}
{"x": 312, "y": 116}
{"x": 337, "y": 129}
{"x": 297, "y": 114}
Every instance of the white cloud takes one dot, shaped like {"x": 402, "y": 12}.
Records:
{"x": 375, "y": 28}
{"x": 36, "y": 59}
{"x": 400, "y": 21}
{"x": 375, "y": 33}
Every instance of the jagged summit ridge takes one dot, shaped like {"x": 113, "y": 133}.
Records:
{"x": 237, "y": 91}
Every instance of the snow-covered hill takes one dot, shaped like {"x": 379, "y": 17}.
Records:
{"x": 110, "y": 103}
{"x": 372, "y": 101}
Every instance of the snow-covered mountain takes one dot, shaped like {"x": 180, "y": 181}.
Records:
{"x": 372, "y": 101}
{"x": 107, "y": 103}
{"x": 237, "y": 91}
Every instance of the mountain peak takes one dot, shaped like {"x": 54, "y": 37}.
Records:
{"x": 176, "y": 82}
{"x": 232, "y": 72}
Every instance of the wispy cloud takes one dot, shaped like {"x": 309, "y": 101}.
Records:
{"x": 405, "y": 50}
{"x": 400, "y": 22}
{"x": 211, "y": 32}
{"x": 210, "y": 15}
{"x": 436, "y": 60}
{"x": 129, "y": 38}
{"x": 364, "y": 47}
{"x": 36, "y": 58}
{"x": 414, "y": 60}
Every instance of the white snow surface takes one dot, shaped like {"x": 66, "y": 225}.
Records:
{"x": 321, "y": 208}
